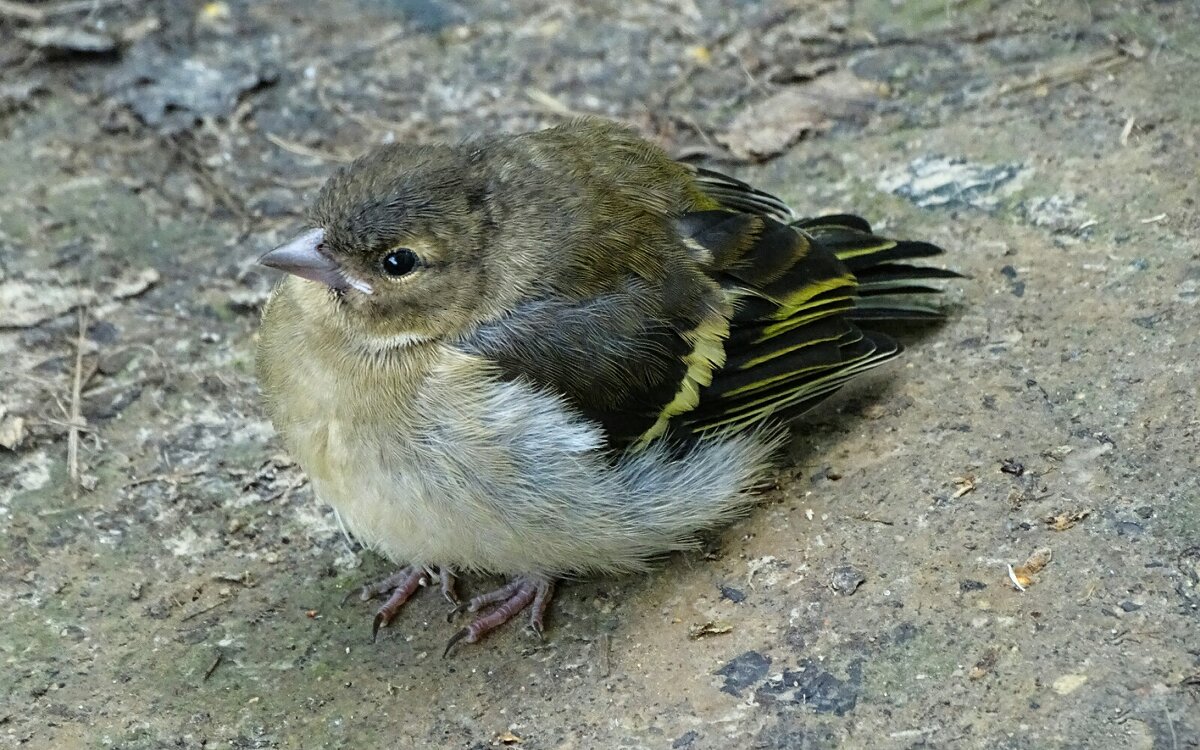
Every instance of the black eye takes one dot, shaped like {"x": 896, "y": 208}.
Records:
{"x": 399, "y": 262}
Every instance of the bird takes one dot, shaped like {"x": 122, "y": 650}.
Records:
{"x": 560, "y": 353}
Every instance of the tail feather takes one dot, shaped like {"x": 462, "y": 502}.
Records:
{"x": 652, "y": 502}
{"x": 844, "y": 221}
{"x": 887, "y": 287}
{"x": 800, "y": 291}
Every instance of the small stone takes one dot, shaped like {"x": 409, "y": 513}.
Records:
{"x": 737, "y": 596}
{"x": 904, "y": 632}
{"x": 103, "y": 332}
{"x": 846, "y": 580}
{"x": 1129, "y": 528}
{"x": 12, "y": 431}
{"x": 811, "y": 686}
{"x": 939, "y": 181}
{"x": 1058, "y": 213}
{"x": 114, "y": 362}
{"x": 1068, "y": 683}
{"x": 1012, "y": 466}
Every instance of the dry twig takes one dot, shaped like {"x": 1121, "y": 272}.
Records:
{"x": 301, "y": 150}
{"x": 1064, "y": 74}
{"x": 216, "y": 663}
{"x": 75, "y": 420}
{"x": 604, "y": 646}
{"x": 42, "y": 12}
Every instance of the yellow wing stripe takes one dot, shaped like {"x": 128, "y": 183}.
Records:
{"x": 809, "y": 389}
{"x": 858, "y": 252}
{"x": 760, "y": 384}
{"x": 707, "y": 355}
{"x": 787, "y": 350}
{"x": 817, "y": 312}
{"x": 795, "y": 301}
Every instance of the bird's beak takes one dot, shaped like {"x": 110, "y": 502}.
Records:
{"x": 302, "y": 256}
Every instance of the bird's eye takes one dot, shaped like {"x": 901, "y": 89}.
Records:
{"x": 399, "y": 262}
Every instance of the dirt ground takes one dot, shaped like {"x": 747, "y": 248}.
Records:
{"x": 168, "y": 580}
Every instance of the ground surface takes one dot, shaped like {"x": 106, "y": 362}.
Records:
{"x": 176, "y": 585}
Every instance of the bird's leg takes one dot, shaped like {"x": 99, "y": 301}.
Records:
{"x": 400, "y": 586}
{"x": 446, "y": 576}
{"x": 510, "y": 599}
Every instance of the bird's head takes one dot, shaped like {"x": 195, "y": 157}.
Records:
{"x": 400, "y": 248}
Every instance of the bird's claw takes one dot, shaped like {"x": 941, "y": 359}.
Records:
{"x": 463, "y": 633}
{"x": 506, "y": 602}
{"x": 501, "y": 604}
{"x": 457, "y": 610}
{"x": 400, "y": 586}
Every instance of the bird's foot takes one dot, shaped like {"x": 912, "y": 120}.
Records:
{"x": 400, "y": 586}
{"x": 509, "y": 600}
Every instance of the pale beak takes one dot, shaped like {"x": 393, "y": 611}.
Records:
{"x": 302, "y": 256}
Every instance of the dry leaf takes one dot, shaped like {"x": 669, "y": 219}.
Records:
{"x": 965, "y": 484}
{"x": 984, "y": 665}
{"x": 1038, "y": 560}
{"x": 1022, "y": 575}
{"x": 40, "y": 297}
{"x": 712, "y": 627}
{"x": 134, "y": 283}
{"x": 768, "y": 127}
{"x": 12, "y": 430}
{"x": 1065, "y": 520}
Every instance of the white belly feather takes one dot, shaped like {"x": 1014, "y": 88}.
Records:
{"x": 471, "y": 472}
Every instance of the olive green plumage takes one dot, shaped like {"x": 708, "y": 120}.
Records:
{"x": 586, "y": 260}
{"x": 562, "y": 351}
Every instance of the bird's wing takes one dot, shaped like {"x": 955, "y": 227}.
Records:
{"x": 799, "y": 291}
{"x": 732, "y": 194}
{"x": 784, "y": 337}
{"x": 616, "y": 358}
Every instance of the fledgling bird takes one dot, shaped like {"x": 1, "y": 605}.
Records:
{"x": 558, "y": 353}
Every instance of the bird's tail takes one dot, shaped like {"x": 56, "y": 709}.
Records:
{"x": 888, "y": 286}
{"x": 806, "y": 295}
{"x": 657, "y": 500}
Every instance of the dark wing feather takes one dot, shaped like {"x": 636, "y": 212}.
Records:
{"x": 616, "y": 358}
{"x": 732, "y": 194}
{"x": 887, "y": 287}
{"x": 799, "y": 291}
